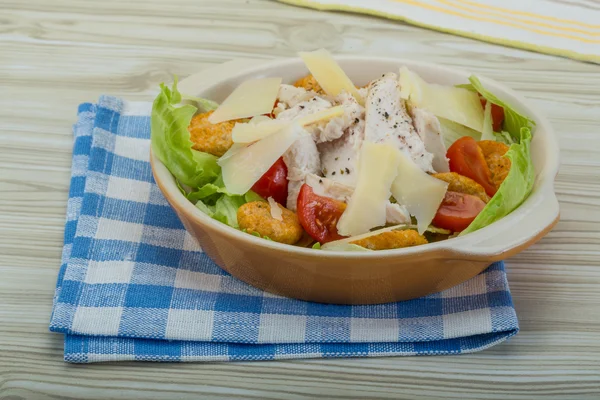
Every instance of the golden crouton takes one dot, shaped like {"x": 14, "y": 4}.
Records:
{"x": 210, "y": 138}
{"x": 309, "y": 83}
{"x": 499, "y": 165}
{"x": 255, "y": 217}
{"x": 462, "y": 184}
{"x": 392, "y": 240}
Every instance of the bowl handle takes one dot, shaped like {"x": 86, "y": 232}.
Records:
{"x": 504, "y": 239}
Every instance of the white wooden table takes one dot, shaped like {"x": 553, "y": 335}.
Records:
{"x": 57, "y": 54}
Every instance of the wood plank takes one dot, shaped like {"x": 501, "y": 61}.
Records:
{"x": 55, "y": 55}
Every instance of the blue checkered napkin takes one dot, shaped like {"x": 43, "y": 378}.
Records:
{"x": 134, "y": 285}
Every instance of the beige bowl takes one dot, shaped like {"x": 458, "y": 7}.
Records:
{"x": 370, "y": 277}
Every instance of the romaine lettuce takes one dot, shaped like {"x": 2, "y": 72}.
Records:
{"x": 513, "y": 121}
{"x": 515, "y": 188}
{"x": 197, "y": 170}
{"x": 171, "y": 142}
{"x": 451, "y": 132}
{"x": 226, "y": 209}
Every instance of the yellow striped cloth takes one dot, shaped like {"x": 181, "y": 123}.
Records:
{"x": 569, "y": 28}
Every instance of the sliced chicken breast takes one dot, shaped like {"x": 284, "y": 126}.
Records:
{"x": 292, "y": 95}
{"x": 303, "y": 108}
{"x": 428, "y": 127}
{"x": 387, "y": 121}
{"x": 335, "y": 128}
{"x": 301, "y": 159}
{"x": 339, "y": 158}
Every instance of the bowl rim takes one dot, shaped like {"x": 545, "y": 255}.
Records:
{"x": 463, "y": 247}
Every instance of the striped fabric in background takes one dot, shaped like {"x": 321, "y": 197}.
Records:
{"x": 559, "y": 27}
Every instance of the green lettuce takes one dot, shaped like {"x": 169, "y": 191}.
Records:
{"x": 504, "y": 137}
{"x": 197, "y": 170}
{"x": 205, "y": 208}
{"x": 171, "y": 142}
{"x": 515, "y": 188}
{"x": 203, "y": 105}
{"x": 513, "y": 121}
{"x": 452, "y": 131}
{"x": 257, "y": 235}
{"x": 214, "y": 200}
{"x": 226, "y": 209}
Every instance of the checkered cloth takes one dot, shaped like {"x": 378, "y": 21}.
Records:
{"x": 134, "y": 285}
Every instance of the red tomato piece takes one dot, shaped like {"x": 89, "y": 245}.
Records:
{"x": 319, "y": 215}
{"x": 497, "y": 114}
{"x": 457, "y": 211}
{"x": 466, "y": 158}
{"x": 274, "y": 183}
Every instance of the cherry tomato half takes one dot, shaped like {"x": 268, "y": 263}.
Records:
{"x": 497, "y": 114}
{"x": 319, "y": 215}
{"x": 274, "y": 183}
{"x": 466, "y": 158}
{"x": 457, "y": 211}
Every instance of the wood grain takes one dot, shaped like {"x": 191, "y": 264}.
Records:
{"x": 55, "y": 55}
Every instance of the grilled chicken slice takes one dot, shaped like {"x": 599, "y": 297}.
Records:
{"x": 387, "y": 121}
{"x": 339, "y": 158}
{"x": 301, "y": 159}
{"x": 428, "y": 127}
{"x": 335, "y": 128}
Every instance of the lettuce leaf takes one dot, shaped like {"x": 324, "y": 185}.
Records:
{"x": 451, "y": 132}
{"x": 504, "y": 137}
{"x": 203, "y": 105}
{"x": 513, "y": 121}
{"x": 257, "y": 235}
{"x": 171, "y": 142}
{"x": 205, "y": 208}
{"x": 515, "y": 188}
{"x": 251, "y": 196}
{"x": 226, "y": 209}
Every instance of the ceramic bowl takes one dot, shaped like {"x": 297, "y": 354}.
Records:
{"x": 380, "y": 276}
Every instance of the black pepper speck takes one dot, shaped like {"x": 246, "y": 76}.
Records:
{"x": 347, "y": 170}
{"x": 333, "y": 173}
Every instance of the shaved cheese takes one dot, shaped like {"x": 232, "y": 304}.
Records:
{"x": 250, "y": 98}
{"x": 244, "y": 168}
{"x": 377, "y": 168}
{"x": 456, "y": 104}
{"x": 259, "y": 118}
{"x": 336, "y": 243}
{"x": 252, "y": 131}
{"x": 421, "y": 193}
{"x": 329, "y": 74}
{"x": 276, "y": 211}
{"x": 249, "y": 132}
{"x": 322, "y": 115}
{"x": 234, "y": 149}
